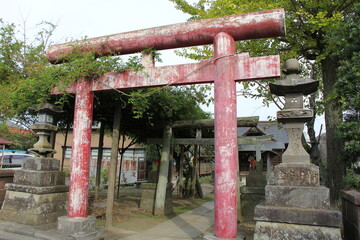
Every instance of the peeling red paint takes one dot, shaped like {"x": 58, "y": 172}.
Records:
{"x": 81, "y": 150}
{"x": 253, "y": 25}
{"x": 226, "y": 147}
{"x": 245, "y": 69}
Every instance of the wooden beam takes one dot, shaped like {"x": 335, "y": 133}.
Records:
{"x": 210, "y": 141}
{"x": 207, "y": 123}
{"x": 245, "y": 69}
{"x": 263, "y": 24}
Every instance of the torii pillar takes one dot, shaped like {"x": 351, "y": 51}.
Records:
{"x": 224, "y": 70}
{"x": 226, "y": 146}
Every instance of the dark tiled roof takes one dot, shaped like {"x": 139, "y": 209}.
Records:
{"x": 280, "y": 136}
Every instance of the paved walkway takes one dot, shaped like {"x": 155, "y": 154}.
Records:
{"x": 190, "y": 225}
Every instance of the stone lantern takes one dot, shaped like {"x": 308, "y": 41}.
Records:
{"x": 43, "y": 128}
{"x": 296, "y": 206}
{"x": 38, "y": 195}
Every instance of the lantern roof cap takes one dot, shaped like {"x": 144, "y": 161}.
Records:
{"x": 293, "y": 82}
{"x": 46, "y": 108}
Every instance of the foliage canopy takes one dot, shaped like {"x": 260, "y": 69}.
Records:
{"x": 26, "y": 78}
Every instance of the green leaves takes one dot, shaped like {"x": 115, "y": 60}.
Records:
{"x": 168, "y": 104}
{"x": 347, "y": 88}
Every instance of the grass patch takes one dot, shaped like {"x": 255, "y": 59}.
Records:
{"x": 205, "y": 179}
{"x": 182, "y": 209}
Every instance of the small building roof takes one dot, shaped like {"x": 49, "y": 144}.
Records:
{"x": 4, "y": 142}
{"x": 280, "y": 136}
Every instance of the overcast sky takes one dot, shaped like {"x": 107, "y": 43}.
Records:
{"x": 93, "y": 18}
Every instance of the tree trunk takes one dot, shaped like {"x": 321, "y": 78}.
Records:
{"x": 333, "y": 117}
{"x": 314, "y": 142}
{"x": 120, "y": 166}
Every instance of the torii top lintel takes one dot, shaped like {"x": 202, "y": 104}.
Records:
{"x": 263, "y": 24}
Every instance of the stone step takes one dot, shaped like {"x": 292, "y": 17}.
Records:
{"x": 306, "y": 216}
{"x": 35, "y": 189}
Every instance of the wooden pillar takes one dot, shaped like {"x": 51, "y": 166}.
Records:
{"x": 112, "y": 170}
{"x": 99, "y": 160}
{"x": 194, "y": 166}
{"x": 226, "y": 147}
{"x": 181, "y": 170}
{"x": 81, "y": 151}
{"x": 269, "y": 173}
{"x": 258, "y": 156}
{"x": 163, "y": 173}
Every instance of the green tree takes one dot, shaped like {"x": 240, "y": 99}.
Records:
{"x": 27, "y": 79}
{"x": 20, "y": 140}
{"x": 348, "y": 91}
{"x": 21, "y": 67}
{"x": 310, "y": 25}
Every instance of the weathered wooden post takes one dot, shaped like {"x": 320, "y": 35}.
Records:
{"x": 78, "y": 220}
{"x": 194, "y": 175}
{"x": 112, "y": 169}
{"x": 162, "y": 185}
{"x": 99, "y": 160}
{"x": 181, "y": 170}
{"x": 80, "y": 157}
{"x": 226, "y": 147}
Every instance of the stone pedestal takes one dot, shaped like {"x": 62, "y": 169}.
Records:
{"x": 297, "y": 206}
{"x": 251, "y": 195}
{"x": 79, "y": 228}
{"x": 148, "y": 198}
{"x": 38, "y": 195}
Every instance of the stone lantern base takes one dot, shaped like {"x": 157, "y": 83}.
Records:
{"x": 302, "y": 211}
{"x": 38, "y": 195}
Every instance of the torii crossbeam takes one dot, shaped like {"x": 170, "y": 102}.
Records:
{"x": 223, "y": 70}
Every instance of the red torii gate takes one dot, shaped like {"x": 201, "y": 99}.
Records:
{"x": 224, "y": 69}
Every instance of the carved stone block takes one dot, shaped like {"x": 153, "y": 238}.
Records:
{"x": 41, "y": 164}
{"x": 33, "y": 209}
{"x": 297, "y": 175}
{"x": 39, "y": 178}
{"x": 297, "y": 196}
{"x": 294, "y": 115}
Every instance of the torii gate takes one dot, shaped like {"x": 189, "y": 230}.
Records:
{"x": 223, "y": 70}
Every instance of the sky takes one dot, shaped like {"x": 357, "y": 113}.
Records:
{"x": 94, "y": 18}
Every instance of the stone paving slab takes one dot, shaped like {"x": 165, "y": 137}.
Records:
{"x": 16, "y": 231}
{"x": 188, "y": 225}
{"x": 12, "y": 236}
